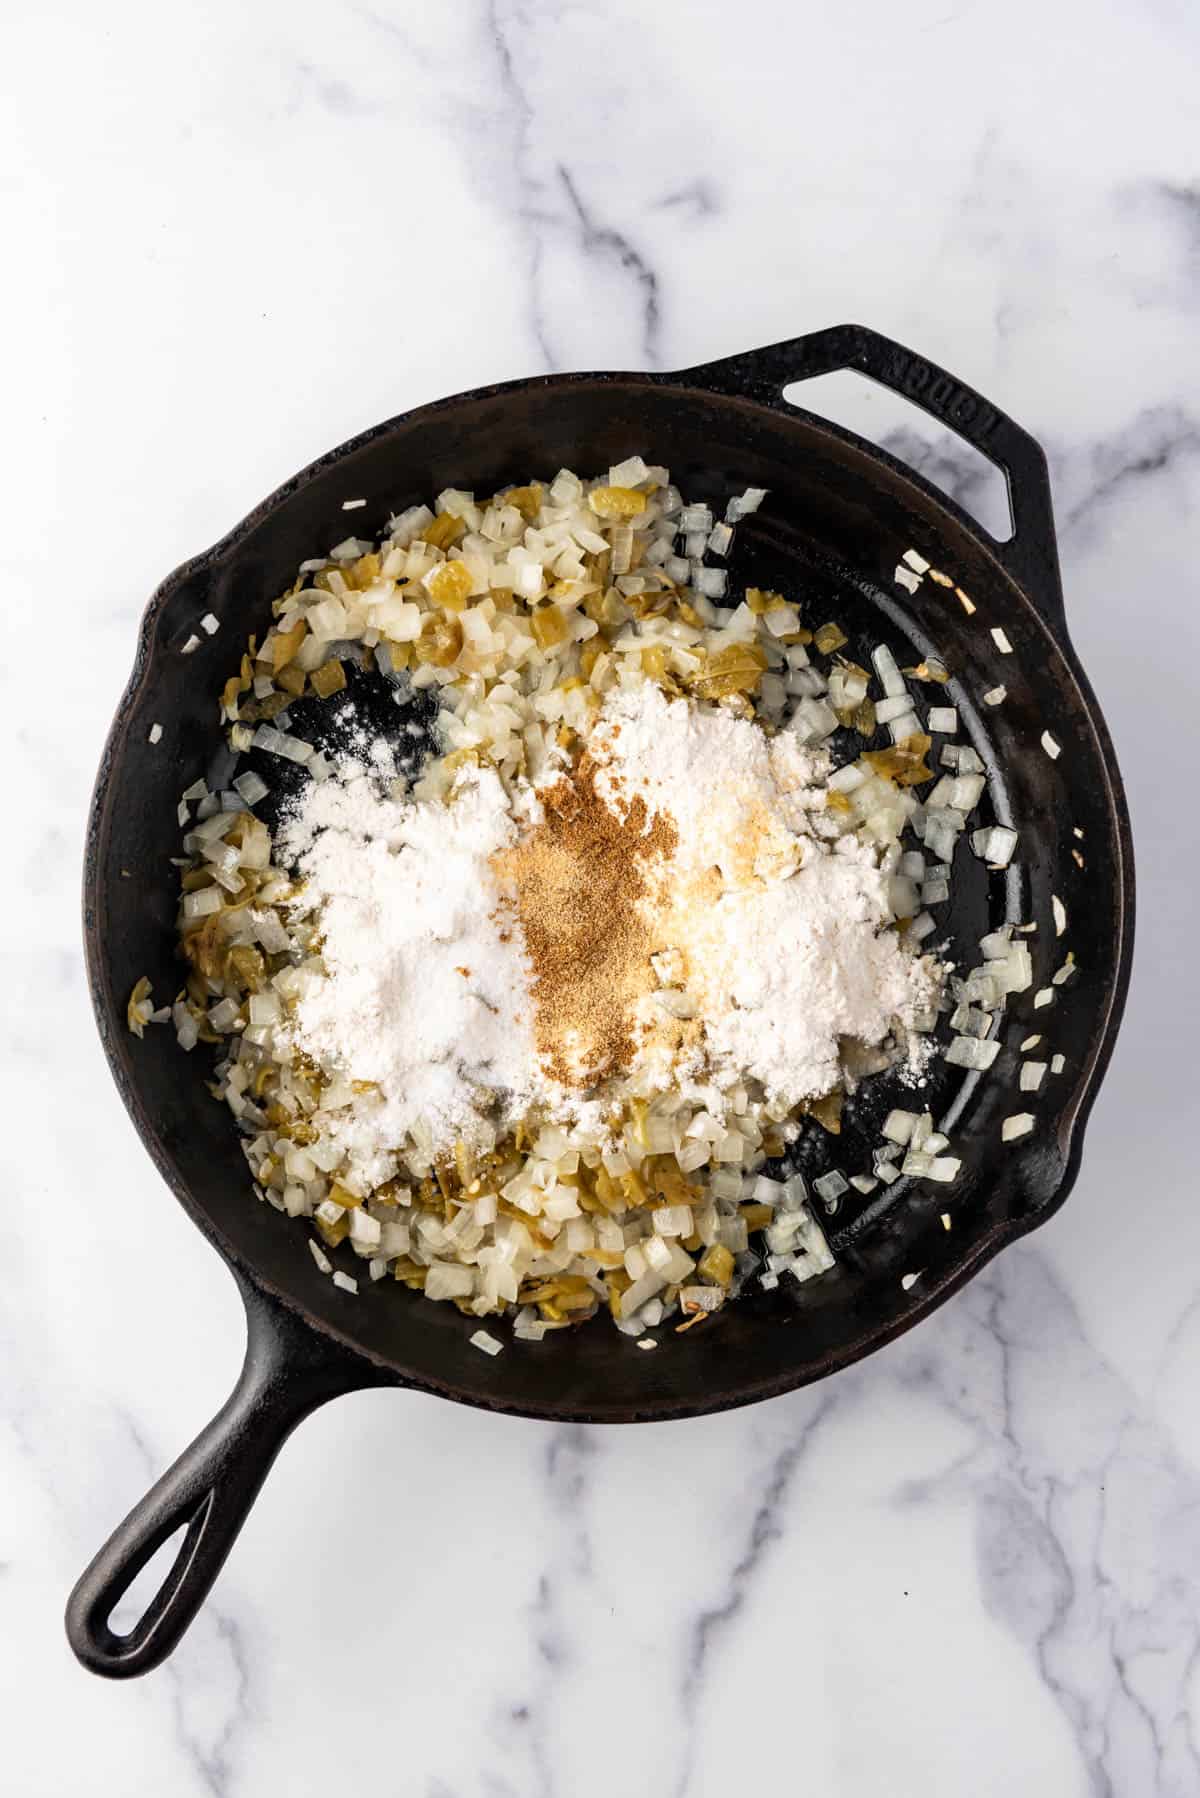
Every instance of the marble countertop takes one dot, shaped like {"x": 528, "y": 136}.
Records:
{"x": 238, "y": 233}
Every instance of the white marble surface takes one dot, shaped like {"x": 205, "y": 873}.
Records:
{"x": 235, "y": 234}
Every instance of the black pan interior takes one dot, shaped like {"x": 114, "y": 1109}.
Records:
{"x": 835, "y": 524}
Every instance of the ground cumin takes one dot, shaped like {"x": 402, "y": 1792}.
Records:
{"x": 576, "y": 880}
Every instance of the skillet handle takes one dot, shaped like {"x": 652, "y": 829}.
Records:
{"x": 1031, "y": 553}
{"x": 288, "y": 1372}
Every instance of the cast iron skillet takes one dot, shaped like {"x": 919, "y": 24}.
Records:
{"x": 839, "y": 516}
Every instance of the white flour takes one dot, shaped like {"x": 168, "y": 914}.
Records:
{"x": 716, "y": 774}
{"x": 785, "y": 946}
{"x": 784, "y": 971}
{"x": 428, "y": 996}
{"x": 425, "y": 998}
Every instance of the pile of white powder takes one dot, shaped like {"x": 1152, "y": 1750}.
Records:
{"x": 780, "y": 933}
{"x": 786, "y": 948}
{"x": 427, "y": 994}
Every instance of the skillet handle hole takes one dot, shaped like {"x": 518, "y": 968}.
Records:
{"x": 131, "y": 1606}
{"x": 863, "y": 405}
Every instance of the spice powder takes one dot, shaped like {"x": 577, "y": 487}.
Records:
{"x": 578, "y": 882}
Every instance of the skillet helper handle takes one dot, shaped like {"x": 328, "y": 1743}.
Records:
{"x": 287, "y": 1373}
{"x": 1031, "y": 553}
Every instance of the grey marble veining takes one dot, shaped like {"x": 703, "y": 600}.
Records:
{"x": 238, "y": 234}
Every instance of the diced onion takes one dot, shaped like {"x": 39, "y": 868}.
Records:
{"x": 890, "y": 677}
{"x": 202, "y": 903}
{"x": 251, "y": 786}
{"x": 898, "y": 1126}
{"x": 994, "y": 845}
{"x": 972, "y": 1052}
